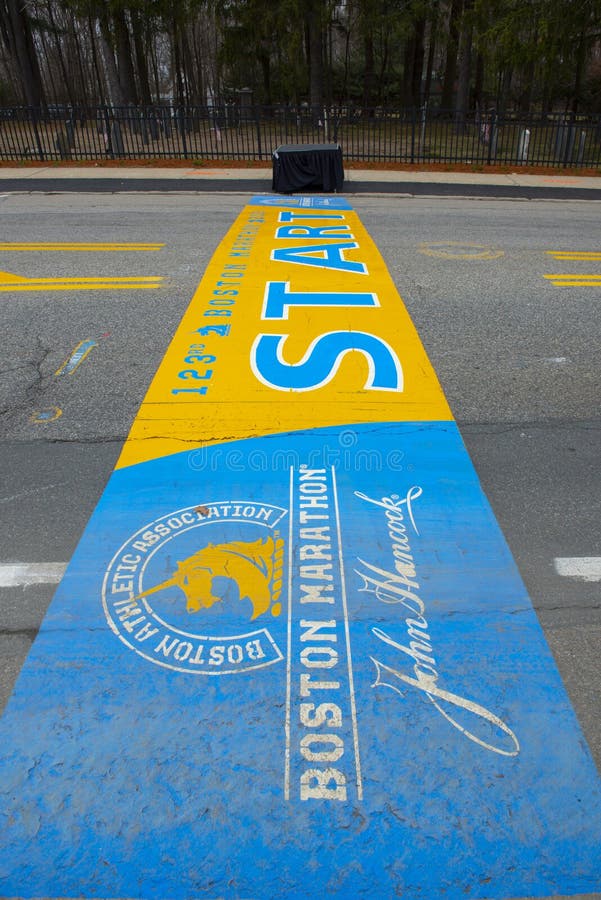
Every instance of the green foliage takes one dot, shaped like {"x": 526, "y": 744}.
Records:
{"x": 529, "y": 54}
{"x": 545, "y": 44}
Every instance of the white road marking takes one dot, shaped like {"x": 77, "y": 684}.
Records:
{"x": 348, "y": 640}
{"x": 25, "y": 574}
{"x": 29, "y": 493}
{"x": 584, "y": 568}
{"x": 289, "y": 649}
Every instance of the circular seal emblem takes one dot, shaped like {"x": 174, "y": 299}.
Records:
{"x": 194, "y": 590}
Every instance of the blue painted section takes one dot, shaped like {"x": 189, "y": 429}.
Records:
{"x": 457, "y": 771}
{"x": 76, "y": 357}
{"x": 302, "y": 202}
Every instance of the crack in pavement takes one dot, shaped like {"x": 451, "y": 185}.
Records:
{"x": 40, "y": 380}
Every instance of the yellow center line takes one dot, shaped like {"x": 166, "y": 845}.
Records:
{"x": 7, "y": 246}
{"x": 82, "y": 286}
{"x": 577, "y": 283}
{"x": 102, "y": 279}
{"x": 580, "y": 276}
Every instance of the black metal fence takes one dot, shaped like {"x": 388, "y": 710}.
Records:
{"x": 253, "y": 133}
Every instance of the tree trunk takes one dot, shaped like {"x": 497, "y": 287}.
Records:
{"x": 178, "y": 83}
{"x": 580, "y": 62}
{"x": 418, "y": 61}
{"x": 265, "y": 63}
{"x": 450, "y": 73}
{"x": 24, "y": 54}
{"x": 365, "y": 21}
{"x": 155, "y": 72}
{"x": 199, "y": 68}
{"x": 51, "y": 89}
{"x": 59, "y": 51}
{"x": 125, "y": 66}
{"x": 408, "y": 54}
{"x": 431, "y": 50}
{"x": 463, "y": 81}
{"x": 98, "y": 73}
{"x": 188, "y": 68}
{"x": 505, "y": 78}
{"x": 141, "y": 58}
{"x": 315, "y": 47}
{"x": 479, "y": 81}
{"x": 369, "y": 75}
{"x": 84, "y": 75}
{"x": 525, "y": 98}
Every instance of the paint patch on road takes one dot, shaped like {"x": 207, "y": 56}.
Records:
{"x": 459, "y": 250}
{"x": 72, "y": 363}
{"x": 26, "y": 574}
{"x": 582, "y": 568}
{"x": 45, "y": 416}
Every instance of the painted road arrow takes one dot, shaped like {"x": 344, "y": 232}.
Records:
{"x": 292, "y": 655}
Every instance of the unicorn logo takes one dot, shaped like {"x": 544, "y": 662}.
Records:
{"x": 255, "y": 566}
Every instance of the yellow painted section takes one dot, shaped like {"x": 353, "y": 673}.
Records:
{"x": 459, "y": 250}
{"x": 7, "y": 278}
{"x": 574, "y": 279}
{"x": 591, "y": 255}
{"x": 575, "y": 283}
{"x": 10, "y": 282}
{"x": 87, "y": 247}
{"x": 237, "y": 404}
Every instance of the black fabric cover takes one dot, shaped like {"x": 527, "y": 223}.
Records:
{"x": 297, "y": 167}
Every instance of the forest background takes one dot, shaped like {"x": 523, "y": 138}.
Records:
{"x": 480, "y": 82}
{"x": 538, "y": 56}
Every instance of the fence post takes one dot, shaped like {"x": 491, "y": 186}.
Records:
{"x": 181, "y": 119}
{"x": 422, "y": 133}
{"x": 258, "y": 123}
{"x": 117, "y": 139}
{"x": 523, "y": 145}
{"x": 144, "y": 127}
{"x": 34, "y": 117}
{"x": 108, "y": 138}
{"x": 413, "y": 134}
{"x": 581, "y": 143}
{"x": 492, "y": 142}
{"x": 153, "y": 125}
{"x": 566, "y": 134}
{"x": 62, "y": 145}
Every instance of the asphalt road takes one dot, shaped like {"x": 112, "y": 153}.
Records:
{"x": 517, "y": 356}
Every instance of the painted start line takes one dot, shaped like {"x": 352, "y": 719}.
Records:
{"x": 292, "y": 654}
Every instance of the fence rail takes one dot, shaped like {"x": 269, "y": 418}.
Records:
{"x": 253, "y": 133}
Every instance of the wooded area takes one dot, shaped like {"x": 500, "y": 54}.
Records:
{"x": 539, "y": 56}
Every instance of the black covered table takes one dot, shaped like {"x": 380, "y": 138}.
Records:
{"x": 297, "y": 167}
